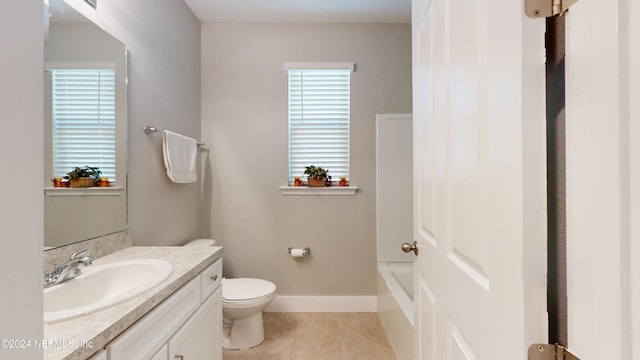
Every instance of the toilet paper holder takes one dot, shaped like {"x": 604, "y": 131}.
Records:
{"x": 306, "y": 251}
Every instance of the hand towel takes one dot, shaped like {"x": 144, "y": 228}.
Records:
{"x": 180, "y": 153}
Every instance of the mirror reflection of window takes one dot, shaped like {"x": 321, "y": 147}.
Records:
{"x": 78, "y": 214}
{"x": 83, "y": 120}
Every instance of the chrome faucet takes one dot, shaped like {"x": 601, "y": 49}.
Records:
{"x": 66, "y": 271}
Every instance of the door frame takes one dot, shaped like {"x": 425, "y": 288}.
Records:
{"x": 603, "y": 177}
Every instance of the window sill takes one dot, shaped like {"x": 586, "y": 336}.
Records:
{"x": 306, "y": 190}
{"x": 91, "y": 191}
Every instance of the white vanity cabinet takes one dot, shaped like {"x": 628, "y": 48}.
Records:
{"x": 186, "y": 326}
{"x": 162, "y": 354}
{"x": 194, "y": 339}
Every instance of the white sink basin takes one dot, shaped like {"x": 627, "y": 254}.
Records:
{"x": 102, "y": 286}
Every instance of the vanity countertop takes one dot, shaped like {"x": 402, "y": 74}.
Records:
{"x": 81, "y": 337}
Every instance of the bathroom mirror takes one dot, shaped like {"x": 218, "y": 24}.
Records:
{"x": 73, "y": 42}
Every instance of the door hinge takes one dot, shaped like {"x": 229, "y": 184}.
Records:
{"x": 550, "y": 352}
{"x": 546, "y": 8}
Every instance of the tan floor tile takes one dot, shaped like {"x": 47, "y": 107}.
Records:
{"x": 363, "y": 337}
{"x": 317, "y": 340}
{"x": 239, "y": 355}
{"x": 319, "y": 336}
{"x": 276, "y": 345}
{"x": 279, "y": 324}
{"x": 286, "y": 356}
{"x": 321, "y": 357}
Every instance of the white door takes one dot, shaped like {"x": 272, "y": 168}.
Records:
{"x": 603, "y": 179}
{"x": 479, "y": 179}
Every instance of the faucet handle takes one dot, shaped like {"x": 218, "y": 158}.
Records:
{"x": 75, "y": 255}
{"x": 46, "y": 273}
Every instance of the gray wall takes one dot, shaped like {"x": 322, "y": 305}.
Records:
{"x": 21, "y": 152}
{"x": 164, "y": 72}
{"x": 163, "y": 39}
{"x": 244, "y": 123}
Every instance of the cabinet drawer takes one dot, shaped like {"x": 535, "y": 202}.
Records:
{"x": 148, "y": 335}
{"x": 211, "y": 278}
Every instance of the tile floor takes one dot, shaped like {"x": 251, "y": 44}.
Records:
{"x": 319, "y": 336}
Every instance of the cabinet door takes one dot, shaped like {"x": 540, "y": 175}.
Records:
{"x": 102, "y": 355}
{"x": 142, "y": 340}
{"x": 200, "y": 337}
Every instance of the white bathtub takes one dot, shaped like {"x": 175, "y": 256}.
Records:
{"x": 395, "y": 306}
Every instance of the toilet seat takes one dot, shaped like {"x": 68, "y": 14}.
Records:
{"x": 246, "y": 289}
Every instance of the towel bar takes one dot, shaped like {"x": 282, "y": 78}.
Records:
{"x": 150, "y": 130}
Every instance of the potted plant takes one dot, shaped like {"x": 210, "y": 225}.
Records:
{"x": 316, "y": 176}
{"x": 87, "y": 176}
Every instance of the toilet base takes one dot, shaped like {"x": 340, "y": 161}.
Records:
{"x": 243, "y": 333}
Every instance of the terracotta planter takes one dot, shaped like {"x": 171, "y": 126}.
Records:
{"x": 313, "y": 182}
{"x": 82, "y": 182}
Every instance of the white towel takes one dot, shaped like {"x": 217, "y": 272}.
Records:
{"x": 180, "y": 153}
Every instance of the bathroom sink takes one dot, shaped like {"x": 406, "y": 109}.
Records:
{"x": 102, "y": 286}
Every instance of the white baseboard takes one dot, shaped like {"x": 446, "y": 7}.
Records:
{"x": 323, "y": 304}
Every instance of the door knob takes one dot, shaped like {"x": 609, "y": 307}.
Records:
{"x": 406, "y": 247}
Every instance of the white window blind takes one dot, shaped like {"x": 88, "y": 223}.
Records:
{"x": 319, "y": 116}
{"x": 83, "y": 112}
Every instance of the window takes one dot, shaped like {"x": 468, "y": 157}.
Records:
{"x": 319, "y": 114}
{"x": 83, "y": 116}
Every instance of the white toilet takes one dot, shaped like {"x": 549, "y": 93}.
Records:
{"x": 243, "y": 300}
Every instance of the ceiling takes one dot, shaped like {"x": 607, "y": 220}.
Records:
{"x": 302, "y": 11}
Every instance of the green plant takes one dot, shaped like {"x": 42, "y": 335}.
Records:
{"x": 316, "y": 172}
{"x": 87, "y": 171}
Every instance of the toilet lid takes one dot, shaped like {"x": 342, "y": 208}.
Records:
{"x": 246, "y": 288}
